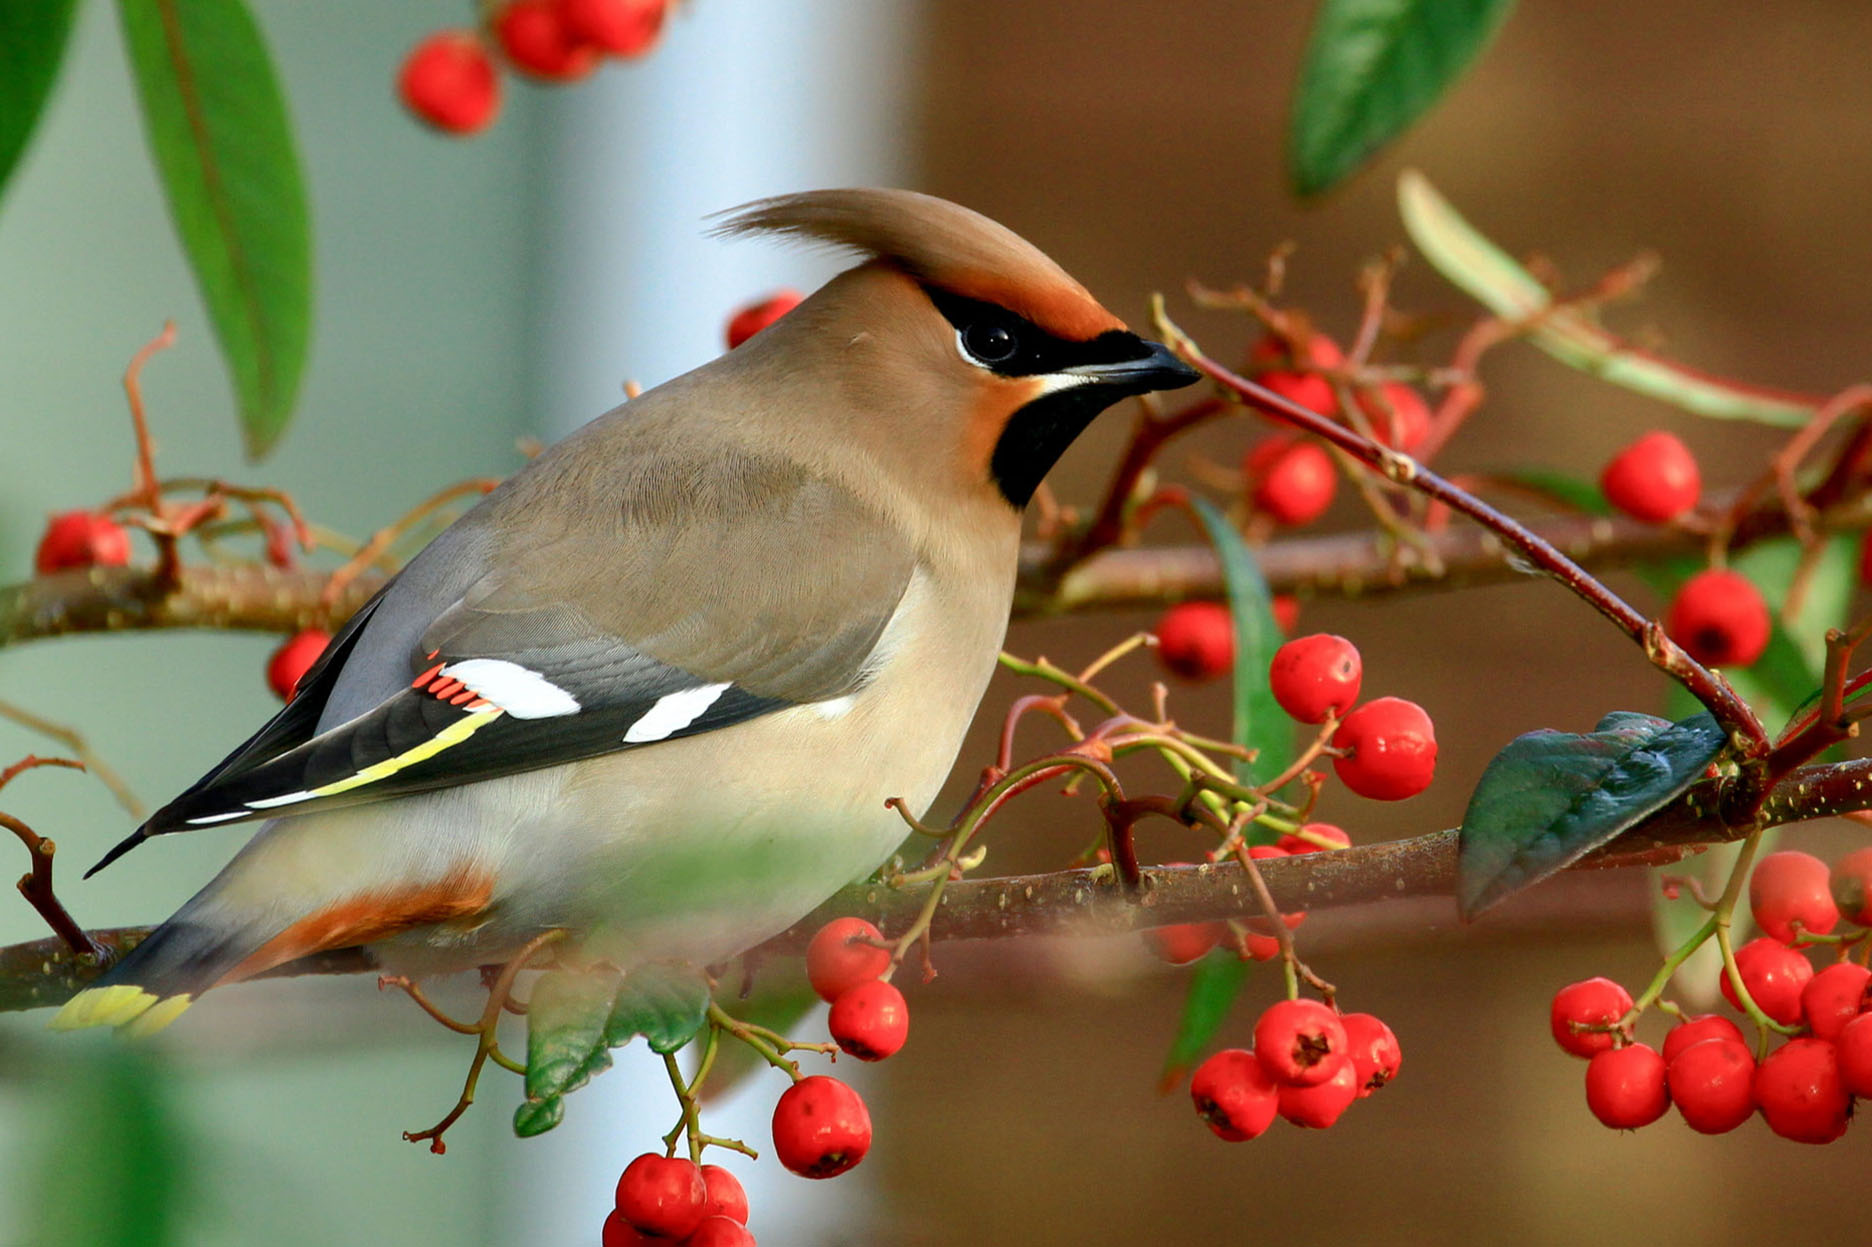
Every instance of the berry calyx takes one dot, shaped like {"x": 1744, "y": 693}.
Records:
{"x": 871, "y": 1021}
{"x": 1399, "y": 416}
{"x": 1774, "y": 974}
{"x": 449, "y": 81}
{"x": 1718, "y": 616}
{"x": 1789, "y": 889}
{"x": 1625, "y": 1086}
{"x": 1697, "y": 1029}
{"x": 537, "y": 41}
{"x": 719, "y": 1232}
{"x": 1712, "y": 1083}
{"x": 1800, "y": 1092}
{"x": 844, "y": 953}
{"x": 1854, "y": 1049}
{"x": 1234, "y": 1095}
{"x": 1300, "y": 1042}
{"x": 1295, "y": 376}
{"x": 1292, "y": 482}
{"x": 662, "y": 1196}
{"x": 751, "y": 318}
{"x": 1597, "y": 1002}
{"x": 1834, "y": 997}
{"x": 81, "y": 539}
{"x": 626, "y": 28}
{"x": 1388, "y": 749}
{"x": 1196, "y": 640}
{"x": 1373, "y": 1050}
{"x": 292, "y": 660}
{"x": 1851, "y": 886}
{"x": 726, "y": 1196}
{"x": 820, "y": 1127}
{"x": 1318, "y": 1105}
{"x": 1654, "y": 479}
{"x": 1315, "y": 676}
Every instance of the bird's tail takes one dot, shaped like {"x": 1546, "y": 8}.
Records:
{"x": 162, "y": 976}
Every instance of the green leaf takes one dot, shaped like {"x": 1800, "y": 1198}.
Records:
{"x": 1372, "y": 67}
{"x": 1492, "y": 278}
{"x": 538, "y": 1116}
{"x": 1213, "y": 986}
{"x": 665, "y": 1002}
{"x": 218, "y": 129}
{"x": 567, "y": 1042}
{"x": 33, "y": 37}
{"x": 104, "y": 1159}
{"x": 1551, "y": 797}
{"x": 1260, "y": 723}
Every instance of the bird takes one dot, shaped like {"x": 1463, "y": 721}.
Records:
{"x": 655, "y": 689}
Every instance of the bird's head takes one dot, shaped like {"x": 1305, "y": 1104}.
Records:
{"x": 956, "y": 338}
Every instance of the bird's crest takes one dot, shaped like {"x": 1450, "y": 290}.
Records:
{"x": 937, "y": 242}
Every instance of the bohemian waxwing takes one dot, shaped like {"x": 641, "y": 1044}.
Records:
{"x": 656, "y": 688}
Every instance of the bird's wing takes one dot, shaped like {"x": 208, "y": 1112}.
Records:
{"x": 728, "y": 592}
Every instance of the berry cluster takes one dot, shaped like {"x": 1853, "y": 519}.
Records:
{"x": 452, "y": 78}
{"x": 663, "y": 1199}
{"x": 1804, "y": 1088}
{"x": 75, "y": 539}
{"x": 1308, "y": 1064}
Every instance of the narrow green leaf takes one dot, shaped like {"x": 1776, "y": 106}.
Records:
{"x": 538, "y": 1116}
{"x": 218, "y": 129}
{"x": 1372, "y": 67}
{"x": 1551, "y": 797}
{"x": 1214, "y": 984}
{"x": 665, "y": 1002}
{"x": 566, "y": 1031}
{"x": 33, "y": 36}
{"x": 104, "y": 1159}
{"x": 1490, "y": 276}
{"x": 1260, "y": 723}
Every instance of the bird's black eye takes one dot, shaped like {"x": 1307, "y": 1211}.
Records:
{"x": 990, "y": 342}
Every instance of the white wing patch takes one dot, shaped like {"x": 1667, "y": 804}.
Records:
{"x": 672, "y": 713}
{"x": 521, "y": 693}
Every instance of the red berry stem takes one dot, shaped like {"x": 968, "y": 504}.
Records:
{"x": 1293, "y": 970}
{"x": 1723, "y": 917}
{"x": 770, "y": 1046}
{"x": 36, "y": 884}
{"x": 689, "y": 1125}
{"x": 1721, "y": 701}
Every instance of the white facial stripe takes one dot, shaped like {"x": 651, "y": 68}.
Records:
{"x": 1054, "y": 382}
{"x": 672, "y": 713}
{"x": 521, "y": 693}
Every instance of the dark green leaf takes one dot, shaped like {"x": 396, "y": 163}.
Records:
{"x": 1551, "y": 797}
{"x": 538, "y": 1116}
{"x": 1260, "y": 723}
{"x": 664, "y": 1002}
{"x": 1214, "y": 984}
{"x": 217, "y": 126}
{"x": 1372, "y": 67}
{"x": 103, "y": 1158}
{"x": 566, "y": 1031}
{"x": 33, "y": 35}
{"x": 1566, "y": 490}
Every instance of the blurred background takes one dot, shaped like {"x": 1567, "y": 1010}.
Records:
{"x": 474, "y": 293}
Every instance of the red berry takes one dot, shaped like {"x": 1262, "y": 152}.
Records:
{"x": 1296, "y": 377}
{"x": 719, "y": 1232}
{"x": 1390, "y": 749}
{"x": 1300, "y": 1042}
{"x": 1185, "y": 941}
{"x": 1373, "y": 1050}
{"x": 1292, "y": 482}
{"x": 537, "y": 41}
{"x": 1834, "y": 997}
{"x": 726, "y": 1198}
{"x": 1720, "y": 619}
{"x": 1319, "y": 1105}
{"x": 1654, "y": 479}
{"x": 1712, "y": 1083}
{"x": 871, "y": 1021}
{"x": 1625, "y": 1086}
{"x": 1789, "y": 888}
{"x": 1774, "y": 974}
{"x": 1697, "y": 1029}
{"x": 1196, "y": 640}
{"x": 820, "y": 1127}
{"x": 1855, "y": 1055}
{"x": 292, "y": 660}
{"x": 620, "y": 1233}
{"x": 1291, "y": 843}
{"x": 844, "y": 953}
{"x": 663, "y": 1196}
{"x": 81, "y": 539}
{"x": 626, "y": 28}
{"x": 756, "y": 316}
{"x": 450, "y": 82}
{"x": 1234, "y": 1094}
{"x": 1799, "y": 1089}
{"x": 1399, "y": 416}
{"x": 1286, "y": 609}
{"x": 1852, "y": 886}
{"x": 1592, "y": 1002}
{"x": 1314, "y": 676}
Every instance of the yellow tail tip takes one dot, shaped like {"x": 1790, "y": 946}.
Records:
{"x": 138, "y": 1011}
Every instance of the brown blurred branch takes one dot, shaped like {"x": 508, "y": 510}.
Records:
{"x": 1091, "y": 902}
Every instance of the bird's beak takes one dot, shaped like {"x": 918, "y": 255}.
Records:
{"x": 1156, "y": 369}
